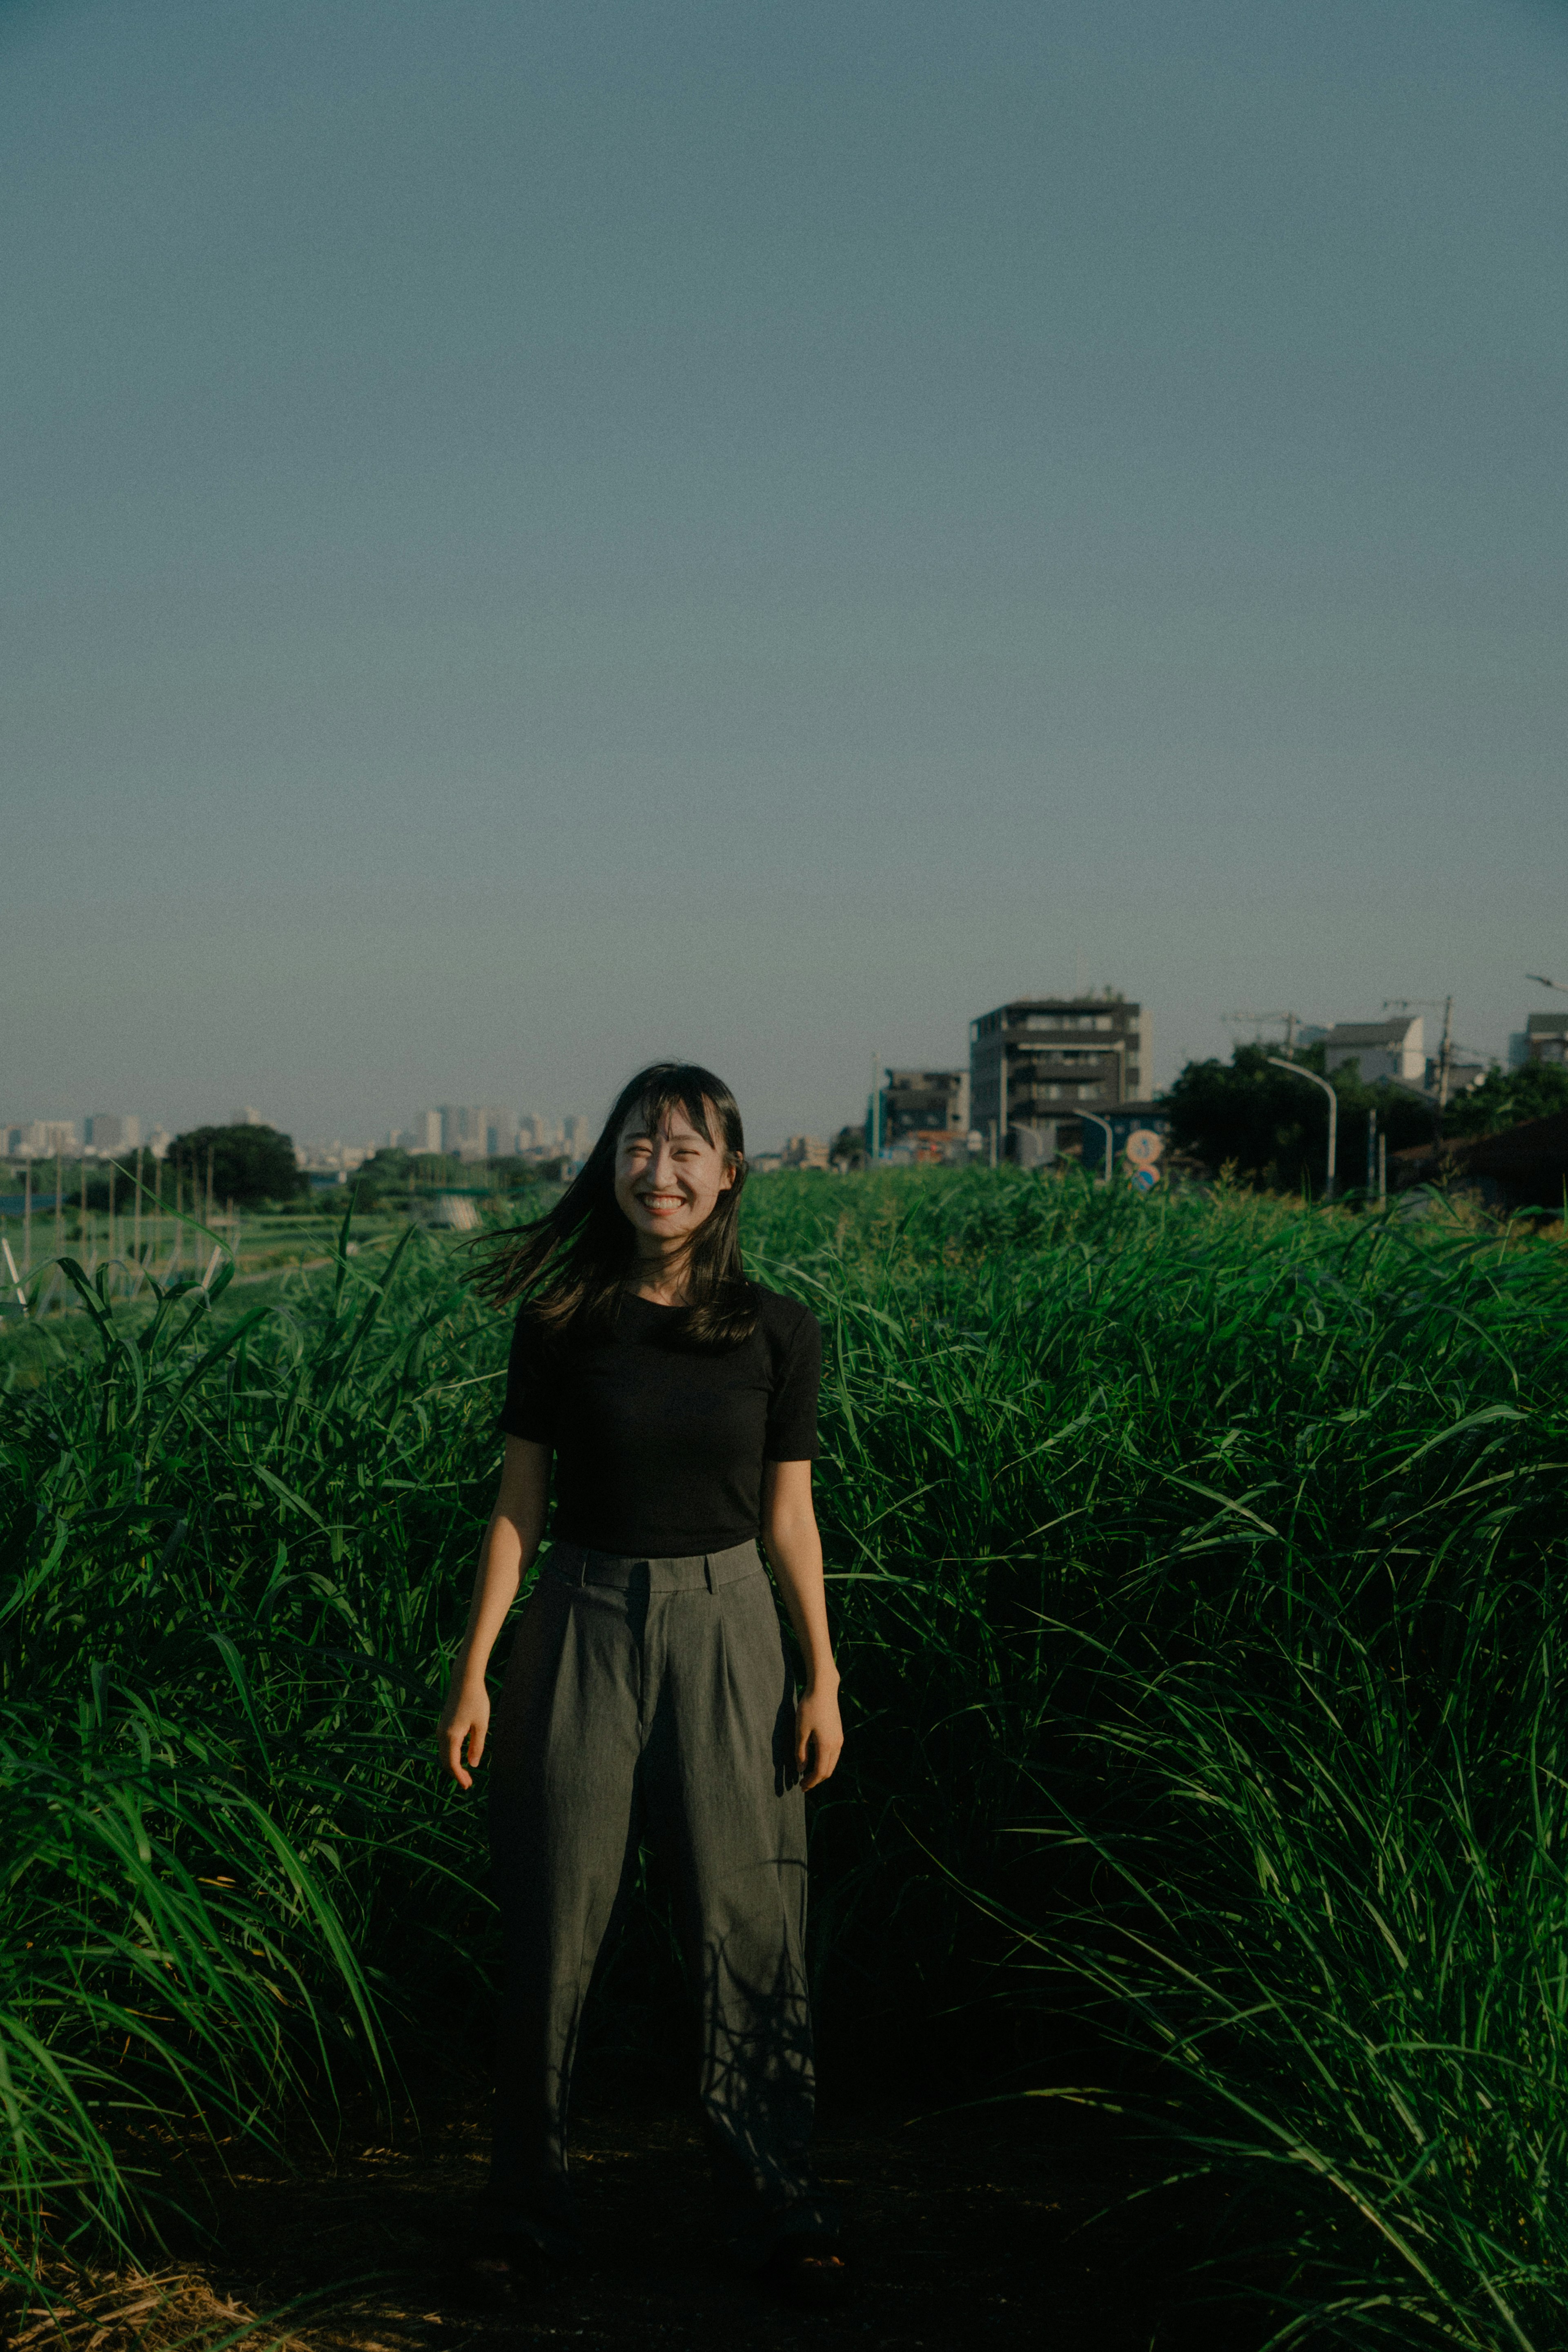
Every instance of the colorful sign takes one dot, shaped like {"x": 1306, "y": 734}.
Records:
{"x": 1143, "y": 1147}
{"x": 1145, "y": 1178}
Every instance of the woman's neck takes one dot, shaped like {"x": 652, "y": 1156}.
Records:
{"x": 661, "y": 1276}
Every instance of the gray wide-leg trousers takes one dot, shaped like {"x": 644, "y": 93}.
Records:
{"x": 654, "y": 1699}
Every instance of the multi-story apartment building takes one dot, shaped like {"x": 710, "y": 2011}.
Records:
{"x": 1036, "y": 1060}
{"x": 924, "y": 1103}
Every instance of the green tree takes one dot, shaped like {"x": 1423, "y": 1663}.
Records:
{"x": 249, "y": 1164}
{"x": 385, "y": 1175}
{"x": 1273, "y": 1128}
{"x": 1509, "y": 1098}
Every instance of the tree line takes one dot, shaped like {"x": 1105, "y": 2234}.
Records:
{"x": 1271, "y": 1128}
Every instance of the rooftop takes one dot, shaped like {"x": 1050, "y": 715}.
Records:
{"x": 1369, "y": 1032}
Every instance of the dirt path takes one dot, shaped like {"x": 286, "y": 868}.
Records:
{"x": 965, "y": 2233}
{"x": 976, "y": 2229}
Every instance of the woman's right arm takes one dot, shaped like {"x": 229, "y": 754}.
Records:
{"x": 511, "y": 1540}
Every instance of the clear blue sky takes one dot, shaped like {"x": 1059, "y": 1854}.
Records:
{"x": 541, "y": 535}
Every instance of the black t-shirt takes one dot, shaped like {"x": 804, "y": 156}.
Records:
{"x": 659, "y": 1448}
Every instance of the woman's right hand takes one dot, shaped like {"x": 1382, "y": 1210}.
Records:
{"x": 464, "y": 1722}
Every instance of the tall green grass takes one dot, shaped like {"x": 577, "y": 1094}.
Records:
{"x": 1197, "y": 1564}
{"x": 228, "y": 1562}
{"x": 1221, "y": 1550}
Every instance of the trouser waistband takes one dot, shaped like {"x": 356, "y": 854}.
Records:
{"x": 571, "y": 1563}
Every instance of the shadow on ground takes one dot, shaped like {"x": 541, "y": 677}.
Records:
{"x": 974, "y": 2229}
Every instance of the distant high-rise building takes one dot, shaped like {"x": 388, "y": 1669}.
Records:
{"x": 475, "y": 1130}
{"x": 462, "y": 1133}
{"x": 111, "y": 1131}
{"x": 248, "y": 1117}
{"x": 40, "y": 1138}
{"x": 805, "y": 1151}
{"x": 423, "y": 1134}
{"x": 578, "y": 1135}
{"x": 538, "y": 1136}
{"x": 1035, "y": 1059}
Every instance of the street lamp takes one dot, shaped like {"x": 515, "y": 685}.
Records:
{"x": 1110, "y": 1149}
{"x": 1296, "y": 1071}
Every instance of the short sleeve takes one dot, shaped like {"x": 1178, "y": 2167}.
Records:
{"x": 529, "y": 1410}
{"x": 791, "y": 1434}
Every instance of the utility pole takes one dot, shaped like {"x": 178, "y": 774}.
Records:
{"x": 1313, "y": 1079}
{"x": 136, "y": 1218}
{"x": 60, "y": 1205}
{"x": 1444, "y": 1053}
{"x": 1371, "y": 1150}
{"x": 875, "y": 1123}
{"x": 27, "y": 1218}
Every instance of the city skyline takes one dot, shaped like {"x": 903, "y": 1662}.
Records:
{"x": 440, "y": 1135}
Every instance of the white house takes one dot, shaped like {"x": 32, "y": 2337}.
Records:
{"x": 1379, "y": 1049}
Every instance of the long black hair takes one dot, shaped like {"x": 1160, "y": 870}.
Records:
{"x": 572, "y": 1264}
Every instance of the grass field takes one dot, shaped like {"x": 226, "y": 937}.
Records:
{"x": 1197, "y": 1567}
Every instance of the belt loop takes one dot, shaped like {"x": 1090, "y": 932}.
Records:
{"x": 708, "y": 1570}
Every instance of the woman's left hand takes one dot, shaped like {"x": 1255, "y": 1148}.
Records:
{"x": 819, "y": 1737}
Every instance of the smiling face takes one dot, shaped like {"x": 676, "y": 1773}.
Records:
{"x": 669, "y": 1177}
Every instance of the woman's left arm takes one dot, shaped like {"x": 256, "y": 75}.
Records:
{"x": 795, "y": 1548}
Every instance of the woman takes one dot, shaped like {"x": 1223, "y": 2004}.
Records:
{"x": 648, "y": 1692}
